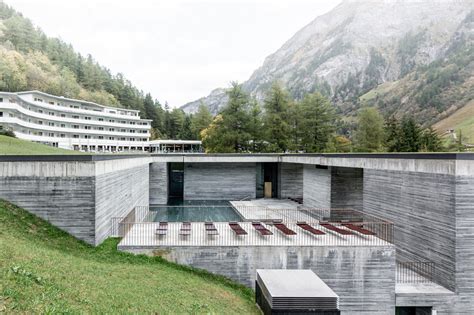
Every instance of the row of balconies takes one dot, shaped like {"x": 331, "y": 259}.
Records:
{"x": 65, "y": 130}
{"x": 15, "y": 99}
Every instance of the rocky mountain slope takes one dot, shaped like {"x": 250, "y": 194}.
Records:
{"x": 361, "y": 45}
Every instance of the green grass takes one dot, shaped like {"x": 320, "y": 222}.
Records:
{"x": 9, "y": 145}
{"x": 460, "y": 120}
{"x": 45, "y": 270}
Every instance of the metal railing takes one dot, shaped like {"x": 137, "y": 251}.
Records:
{"x": 147, "y": 234}
{"x": 137, "y": 214}
{"x": 415, "y": 271}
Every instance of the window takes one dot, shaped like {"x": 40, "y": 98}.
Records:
{"x": 132, "y": 131}
{"x": 88, "y": 127}
{"x": 123, "y": 130}
{"x": 101, "y": 119}
{"x": 63, "y": 115}
{"x": 63, "y": 135}
{"x": 40, "y": 122}
{"x": 1, "y": 99}
{"x": 52, "y": 103}
{"x": 100, "y": 137}
{"x": 51, "y": 113}
{"x": 75, "y": 126}
{"x": 111, "y": 138}
{"x": 111, "y": 129}
{"x": 63, "y": 126}
{"x": 1, "y": 114}
{"x": 51, "y": 124}
{"x": 40, "y": 133}
{"x": 87, "y": 137}
{"x": 111, "y": 120}
{"x": 101, "y": 128}
{"x": 123, "y": 139}
{"x": 75, "y": 136}
{"x": 40, "y": 111}
{"x": 51, "y": 134}
{"x": 87, "y": 118}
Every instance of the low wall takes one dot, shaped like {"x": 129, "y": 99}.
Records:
{"x": 219, "y": 181}
{"x": 363, "y": 277}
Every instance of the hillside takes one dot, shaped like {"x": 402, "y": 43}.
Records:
{"x": 45, "y": 270}
{"x": 360, "y": 45}
{"x": 462, "y": 121}
{"x": 9, "y": 145}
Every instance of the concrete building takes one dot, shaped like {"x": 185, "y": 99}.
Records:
{"x": 73, "y": 124}
{"x": 428, "y": 198}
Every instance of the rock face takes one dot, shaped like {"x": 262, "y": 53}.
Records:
{"x": 354, "y": 48}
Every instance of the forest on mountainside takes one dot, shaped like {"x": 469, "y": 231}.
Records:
{"x": 30, "y": 60}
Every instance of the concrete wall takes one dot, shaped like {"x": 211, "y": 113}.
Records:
{"x": 219, "y": 181}
{"x": 421, "y": 205}
{"x": 465, "y": 242}
{"x": 347, "y": 185}
{"x": 291, "y": 180}
{"x": 159, "y": 183}
{"x": 77, "y": 197}
{"x": 62, "y": 193}
{"x": 363, "y": 277}
{"x": 316, "y": 187}
{"x": 116, "y": 193}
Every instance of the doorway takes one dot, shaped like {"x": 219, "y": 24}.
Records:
{"x": 267, "y": 180}
{"x": 175, "y": 181}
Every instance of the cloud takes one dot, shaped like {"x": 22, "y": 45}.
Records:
{"x": 177, "y": 50}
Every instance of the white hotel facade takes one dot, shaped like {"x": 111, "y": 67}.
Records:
{"x": 73, "y": 124}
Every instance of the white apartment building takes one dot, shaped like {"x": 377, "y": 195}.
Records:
{"x": 73, "y": 124}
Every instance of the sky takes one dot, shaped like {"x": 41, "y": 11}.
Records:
{"x": 178, "y": 50}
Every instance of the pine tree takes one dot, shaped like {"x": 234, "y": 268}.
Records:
{"x": 318, "y": 122}
{"x": 431, "y": 142}
{"x": 410, "y": 136}
{"x": 230, "y": 130}
{"x": 256, "y": 128}
{"x": 186, "y": 132}
{"x": 369, "y": 136}
{"x": 275, "y": 119}
{"x": 200, "y": 121}
{"x": 392, "y": 134}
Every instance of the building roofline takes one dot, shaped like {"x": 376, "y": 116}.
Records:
{"x": 103, "y": 157}
{"x": 73, "y": 100}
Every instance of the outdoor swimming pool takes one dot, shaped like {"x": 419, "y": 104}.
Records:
{"x": 194, "y": 211}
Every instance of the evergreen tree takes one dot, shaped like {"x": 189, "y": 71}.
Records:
{"x": 230, "y": 131}
{"x": 392, "y": 134}
{"x": 369, "y": 136}
{"x": 186, "y": 132}
{"x": 410, "y": 136}
{"x": 256, "y": 128}
{"x": 200, "y": 121}
{"x": 295, "y": 119}
{"x": 317, "y": 123}
{"x": 275, "y": 119}
{"x": 177, "y": 118}
{"x": 167, "y": 122}
{"x": 431, "y": 142}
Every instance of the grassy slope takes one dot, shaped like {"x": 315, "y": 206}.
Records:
{"x": 462, "y": 119}
{"x": 9, "y": 145}
{"x": 44, "y": 270}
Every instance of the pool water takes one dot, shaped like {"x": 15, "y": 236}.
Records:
{"x": 194, "y": 211}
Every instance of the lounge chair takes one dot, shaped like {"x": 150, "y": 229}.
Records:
{"x": 305, "y": 226}
{"x": 185, "y": 228}
{"x": 162, "y": 229}
{"x": 358, "y": 228}
{"x": 237, "y": 228}
{"x": 283, "y": 228}
{"x": 211, "y": 228}
{"x": 334, "y": 228}
{"x": 261, "y": 229}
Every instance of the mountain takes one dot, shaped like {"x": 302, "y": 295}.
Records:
{"x": 359, "y": 47}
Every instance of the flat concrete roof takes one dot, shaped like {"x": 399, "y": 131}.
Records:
{"x": 294, "y": 283}
{"x": 196, "y": 156}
